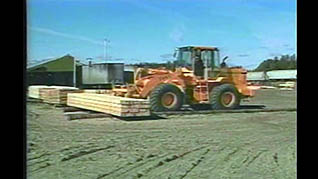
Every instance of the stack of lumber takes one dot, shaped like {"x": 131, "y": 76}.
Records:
{"x": 290, "y": 85}
{"x": 36, "y": 91}
{"x": 105, "y": 103}
{"x": 57, "y": 94}
{"x": 267, "y": 87}
{"x": 51, "y": 94}
{"x": 97, "y": 91}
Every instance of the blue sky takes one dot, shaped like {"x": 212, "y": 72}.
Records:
{"x": 248, "y": 31}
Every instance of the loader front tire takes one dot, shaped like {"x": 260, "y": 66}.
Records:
{"x": 225, "y": 96}
{"x": 166, "y": 97}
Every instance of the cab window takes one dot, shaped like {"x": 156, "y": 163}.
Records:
{"x": 206, "y": 57}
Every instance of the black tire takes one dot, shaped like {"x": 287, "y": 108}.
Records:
{"x": 217, "y": 97}
{"x": 160, "y": 92}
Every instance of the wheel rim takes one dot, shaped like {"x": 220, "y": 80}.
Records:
{"x": 227, "y": 99}
{"x": 168, "y": 100}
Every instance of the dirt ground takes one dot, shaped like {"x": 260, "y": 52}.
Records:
{"x": 227, "y": 145}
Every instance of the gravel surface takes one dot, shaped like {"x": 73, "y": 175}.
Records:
{"x": 228, "y": 145}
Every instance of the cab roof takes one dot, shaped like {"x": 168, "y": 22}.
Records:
{"x": 199, "y": 47}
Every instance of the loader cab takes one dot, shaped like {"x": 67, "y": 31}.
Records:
{"x": 203, "y": 61}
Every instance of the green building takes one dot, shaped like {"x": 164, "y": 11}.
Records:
{"x": 58, "y": 71}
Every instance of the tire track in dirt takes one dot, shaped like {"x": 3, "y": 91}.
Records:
{"x": 140, "y": 162}
{"x": 196, "y": 163}
{"x": 39, "y": 162}
{"x": 109, "y": 173}
{"x": 46, "y": 164}
{"x": 84, "y": 152}
{"x": 221, "y": 162}
{"x": 139, "y": 165}
{"x": 275, "y": 157}
{"x": 228, "y": 157}
{"x": 32, "y": 114}
{"x": 169, "y": 159}
{"x": 47, "y": 159}
{"x": 39, "y": 156}
{"x": 253, "y": 158}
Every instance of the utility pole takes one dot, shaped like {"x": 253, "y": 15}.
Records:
{"x": 105, "y": 46}
{"x": 74, "y": 72}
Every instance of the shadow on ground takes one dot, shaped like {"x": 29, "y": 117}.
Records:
{"x": 142, "y": 118}
{"x": 252, "y": 107}
{"x": 159, "y": 117}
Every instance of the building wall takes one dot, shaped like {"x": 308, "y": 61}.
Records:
{"x": 50, "y": 78}
{"x": 116, "y": 72}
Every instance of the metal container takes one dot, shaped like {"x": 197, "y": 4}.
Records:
{"x": 103, "y": 73}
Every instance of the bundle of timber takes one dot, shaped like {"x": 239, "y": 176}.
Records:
{"x": 105, "y": 103}
{"x": 267, "y": 87}
{"x": 36, "y": 91}
{"x": 57, "y": 95}
{"x": 97, "y": 91}
{"x": 290, "y": 85}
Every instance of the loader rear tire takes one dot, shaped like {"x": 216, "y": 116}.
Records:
{"x": 166, "y": 97}
{"x": 225, "y": 96}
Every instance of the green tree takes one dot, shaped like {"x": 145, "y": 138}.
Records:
{"x": 283, "y": 63}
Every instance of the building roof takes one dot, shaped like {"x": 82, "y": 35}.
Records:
{"x": 64, "y": 63}
{"x": 41, "y": 62}
{"x": 107, "y": 62}
{"x": 199, "y": 47}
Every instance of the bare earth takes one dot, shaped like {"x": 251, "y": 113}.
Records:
{"x": 227, "y": 145}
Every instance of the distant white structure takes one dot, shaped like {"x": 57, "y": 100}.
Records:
{"x": 282, "y": 75}
{"x": 256, "y": 76}
{"x": 130, "y": 68}
{"x": 272, "y": 75}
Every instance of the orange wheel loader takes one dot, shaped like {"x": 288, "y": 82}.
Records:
{"x": 199, "y": 80}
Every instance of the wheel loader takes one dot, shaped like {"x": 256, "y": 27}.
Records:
{"x": 200, "y": 80}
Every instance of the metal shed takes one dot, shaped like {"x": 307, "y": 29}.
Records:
{"x": 103, "y": 73}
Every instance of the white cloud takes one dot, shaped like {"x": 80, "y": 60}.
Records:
{"x": 177, "y": 34}
{"x": 275, "y": 45}
{"x": 65, "y": 35}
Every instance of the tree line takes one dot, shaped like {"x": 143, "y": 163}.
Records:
{"x": 170, "y": 65}
{"x": 284, "y": 62}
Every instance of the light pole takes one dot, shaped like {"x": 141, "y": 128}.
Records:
{"x": 105, "y": 45}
